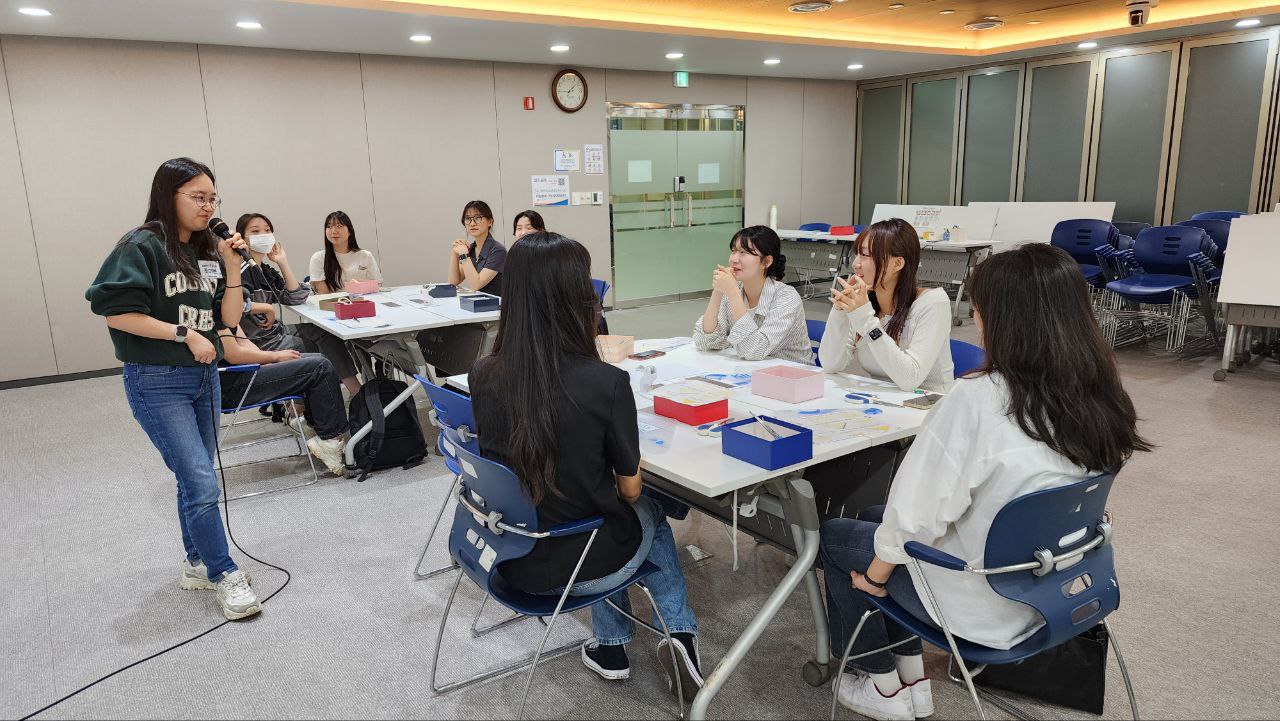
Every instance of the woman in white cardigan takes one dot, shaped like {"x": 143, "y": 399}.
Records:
{"x": 881, "y": 319}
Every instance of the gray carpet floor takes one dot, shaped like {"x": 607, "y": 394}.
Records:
{"x": 90, "y": 553}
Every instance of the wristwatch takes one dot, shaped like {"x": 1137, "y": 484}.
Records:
{"x": 462, "y": 258}
{"x": 180, "y": 334}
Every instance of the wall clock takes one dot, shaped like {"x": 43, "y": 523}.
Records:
{"x": 569, "y": 90}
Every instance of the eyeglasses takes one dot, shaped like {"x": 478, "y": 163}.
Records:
{"x": 202, "y": 201}
{"x": 472, "y": 219}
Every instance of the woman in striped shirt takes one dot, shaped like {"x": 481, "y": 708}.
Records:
{"x": 751, "y": 311}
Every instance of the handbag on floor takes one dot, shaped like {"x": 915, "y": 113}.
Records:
{"x": 1073, "y": 674}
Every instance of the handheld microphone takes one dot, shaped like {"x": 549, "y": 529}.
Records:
{"x": 219, "y": 228}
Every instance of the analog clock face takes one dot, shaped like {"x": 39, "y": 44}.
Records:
{"x": 570, "y": 91}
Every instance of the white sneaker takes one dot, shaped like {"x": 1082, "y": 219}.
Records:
{"x": 196, "y": 577}
{"x": 235, "y": 596}
{"x": 922, "y": 697}
{"x": 299, "y": 424}
{"x": 859, "y": 694}
{"x": 329, "y": 452}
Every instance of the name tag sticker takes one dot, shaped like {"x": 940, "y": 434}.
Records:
{"x": 210, "y": 269}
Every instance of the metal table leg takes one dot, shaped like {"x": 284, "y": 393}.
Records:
{"x": 1228, "y": 353}
{"x": 802, "y": 511}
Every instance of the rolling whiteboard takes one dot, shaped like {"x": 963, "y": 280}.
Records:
{"x": 1034, "y": 222}
{"x": 1248, "y": 274}
{"x": 977, "y": 222}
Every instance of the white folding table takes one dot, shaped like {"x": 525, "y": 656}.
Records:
{"x": 678, "y": 461}
{"x": 402, "y": 312}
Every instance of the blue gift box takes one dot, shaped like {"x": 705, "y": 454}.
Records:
{"x": 768, "y": 453}
{"x": 442, "y": 290}
{"x": 479, "y": 302}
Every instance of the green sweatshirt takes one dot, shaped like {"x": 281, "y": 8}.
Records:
{"x": 139, "y": 277}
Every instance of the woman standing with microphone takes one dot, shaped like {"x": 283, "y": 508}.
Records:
{"x": 164, "y": 295}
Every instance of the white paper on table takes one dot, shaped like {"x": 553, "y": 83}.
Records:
{"x": 663, "y": 344}
{"x": 830, "y": 425}
{"x": 364, "y": 323}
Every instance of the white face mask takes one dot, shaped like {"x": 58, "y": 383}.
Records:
{"x": 262, "y": 243}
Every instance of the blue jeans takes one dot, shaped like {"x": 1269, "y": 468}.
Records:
{"x": 848, "y": 545}
{"x": 657, "y": 546}
{"x": 177, "y": 406}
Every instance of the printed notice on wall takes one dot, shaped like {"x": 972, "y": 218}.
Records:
{"x": 567, "y": 160}
{"x": 708, "y": 173}
{"x": 593, "y": 159}
{"x": 639, "y": 171}
{"x": 927, "y": 216}
{"x": 550, "y": 190}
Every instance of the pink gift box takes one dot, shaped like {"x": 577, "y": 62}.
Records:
{"x": 359, "y": 287}
{"x": 787, "y": 383}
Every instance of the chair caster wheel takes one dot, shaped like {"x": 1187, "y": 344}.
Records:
{"x": 957, "y": 322}
{"x": 814, "y": 674}
{"x": 1219, "y": 375}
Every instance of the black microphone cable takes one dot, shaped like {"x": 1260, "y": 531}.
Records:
{"x": 226, "y": 503}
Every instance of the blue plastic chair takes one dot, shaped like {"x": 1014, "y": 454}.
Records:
{"x": 1050, "y": 550}
{"x": 495, "y": 522}
{"x": 1130, "y": 228}
{"x": 1218, "y": 215}
{"x": 297, "y": 432}
{"x": 601, "y": 287}
{"x": 1081, "y": 238}
{"x": 448, "y": 410}
{"x": 816, "y": 328}
{"x": 1219, "y": 231}
{"x": 1169, "y": 267}
{"x": 966, "y": 357}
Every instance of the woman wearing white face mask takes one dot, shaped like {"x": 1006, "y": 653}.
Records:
{"x": 264, "y": 286}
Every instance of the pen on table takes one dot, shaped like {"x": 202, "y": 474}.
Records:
{"x": 766, "y": 426}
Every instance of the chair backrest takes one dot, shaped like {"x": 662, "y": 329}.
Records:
{"x": 1079, "y": 237}
{"x": 1218, "y": 230}
{"x": 816, "y": 328}
{"x": 1130, "y": 228}
{"x": 1218, "y": 215}
{"x": 450, "y": 453}
{"x": 966, "y": 357}
{"x": 820, "y": 227}
{"x": 490, "y": 488}
{"x": 1165, "y": 249}
{"x": 452, "y": 410}
{"x": 1076, "y": 593}
{"x": 601, "y": 286}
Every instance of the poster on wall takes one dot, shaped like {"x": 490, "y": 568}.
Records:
{"x": 708, "y": 173}
{"x": 593, "y": 159}
{"x": 927, "y": 216}
{"x": 567, "y": 160}
{"x": 550, "y": 190}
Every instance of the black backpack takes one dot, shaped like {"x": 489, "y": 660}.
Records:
{"x": 396, "y": 440}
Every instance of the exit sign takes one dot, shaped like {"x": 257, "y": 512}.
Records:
{"x": 680, "y": 78}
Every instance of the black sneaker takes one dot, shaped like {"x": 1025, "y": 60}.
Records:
{"x": 610, "y": 662}
{"x": 686, "y": 659}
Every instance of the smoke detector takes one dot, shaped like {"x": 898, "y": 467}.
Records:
{"x": 809, "y": 6}
{"x": 985, "y": 24}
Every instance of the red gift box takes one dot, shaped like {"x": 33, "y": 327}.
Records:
{"x": 691, "y": 415}
{"x": 355, "y": 309}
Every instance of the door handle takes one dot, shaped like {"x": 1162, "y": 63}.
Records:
{"x": 689, "y": 217}
{"x": 670, "y": 200}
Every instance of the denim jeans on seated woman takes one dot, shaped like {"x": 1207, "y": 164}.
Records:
{"x": 177, "y": 406}
{"x": 657, "y": 546}
{"x": 848, "y": 545}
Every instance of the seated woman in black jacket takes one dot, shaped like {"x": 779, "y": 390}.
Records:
{"x": 565, "y": 421}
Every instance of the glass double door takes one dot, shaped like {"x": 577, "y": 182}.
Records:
{"x": 675, "y": 178}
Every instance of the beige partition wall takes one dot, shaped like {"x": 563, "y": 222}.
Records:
{"x": 527, "y": 141}
{"x": 21, "y": 287}
{"x": 94, "y": 120}
{"x": 433, "y": 146}
{"x": 289, "y": 140}
{"x": 774, "y": 151}
{"x": 826, "y": 181}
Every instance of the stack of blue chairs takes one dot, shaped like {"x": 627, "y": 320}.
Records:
{"x": 1227, "y": 215}
{"x": 1082, "y": 238}
{"x": 1167, "y": 269}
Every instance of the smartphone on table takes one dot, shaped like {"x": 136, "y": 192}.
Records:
{"x": 646, "y": 355}
{"x": 923, "y": 403}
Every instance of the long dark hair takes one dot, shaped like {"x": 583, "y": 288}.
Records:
{"x": 889, "y": 239}
{"x": 535, "y": 219}
{"x": 332, "y": 269}
{"x": 243, "y": 223}
{"x": 162, "y": 216}
{"x": 548, "y": 312}
{"x": 1041, "y": 338}
{"x": 761, "y": 240}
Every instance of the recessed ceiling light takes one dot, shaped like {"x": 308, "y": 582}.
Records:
{"x": 946, "y": 12}
{"x": 856, "y": 66}
{"x": 249, "y": 25}
{"x": 1033, "y": 22}
{"x": 1087, "y": 46}
{"x": 896, "y": 6}
{"x": 420, "y": 38}
{"x": 772, "y": 61}
{"x": 985, "y": 24}
{"x": 1248, "y": 23}
{"x": 35, "y": 12}
{"x": 559, "y": 48}
{"x": 809, "y": 6}
{"x": 674, "y": 56}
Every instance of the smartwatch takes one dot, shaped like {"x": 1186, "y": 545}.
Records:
{"x": 463, "y": 257}
{"x": 180, "y": 335}
{"x": 875, "y": 334}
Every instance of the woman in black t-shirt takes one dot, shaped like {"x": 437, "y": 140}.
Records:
{"x": 565, "y": 421}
